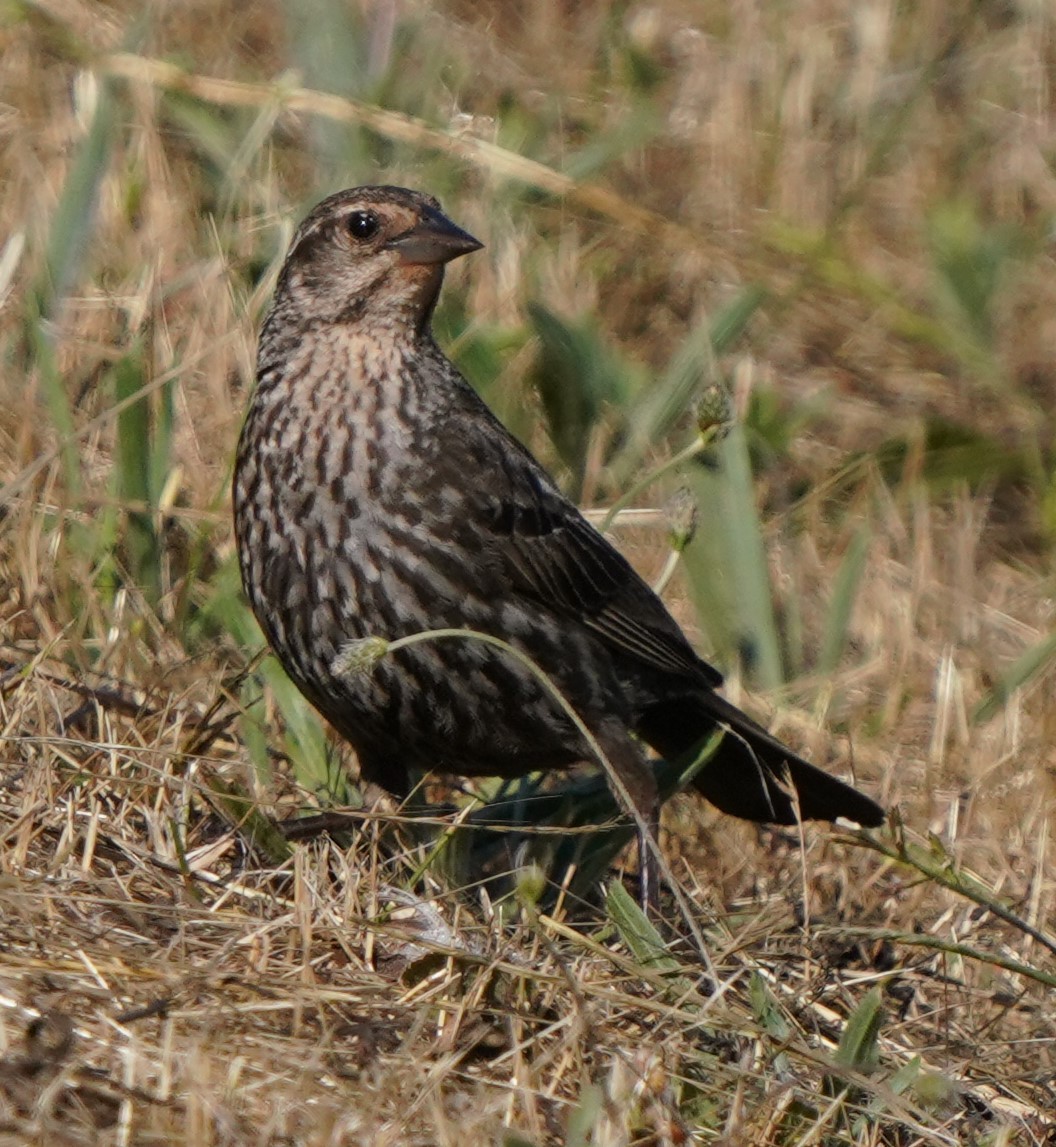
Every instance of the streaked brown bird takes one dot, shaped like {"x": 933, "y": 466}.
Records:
{"x": 375, "y": 495}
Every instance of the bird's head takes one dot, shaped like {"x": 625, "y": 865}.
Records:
{"x": 370, "y": 254}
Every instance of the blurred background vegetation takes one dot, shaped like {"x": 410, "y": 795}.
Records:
{"x": 840, "y": 224}
{"x": 822, "y": 233}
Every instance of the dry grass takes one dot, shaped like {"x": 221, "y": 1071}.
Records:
{"x": 171, "y": 969}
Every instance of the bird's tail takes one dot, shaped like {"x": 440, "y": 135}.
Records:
{"x": 751, "y": 774}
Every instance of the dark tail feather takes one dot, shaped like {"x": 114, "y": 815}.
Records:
{"x": 750, "y": 772}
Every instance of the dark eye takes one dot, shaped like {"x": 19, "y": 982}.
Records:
{"x": 363, "y": 224}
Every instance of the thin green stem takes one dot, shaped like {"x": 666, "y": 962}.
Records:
{"x": 699, "y": 444}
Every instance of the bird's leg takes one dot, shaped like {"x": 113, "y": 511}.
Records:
{"x": 634, "y": 784}
{"x": 648, "y": 868}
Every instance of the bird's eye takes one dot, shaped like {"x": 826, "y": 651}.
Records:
{"x": 363, "y": 224}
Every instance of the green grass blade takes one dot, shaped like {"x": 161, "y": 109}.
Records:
{"x": 635, "y": 130}
{"x": 583, "y": 1118}
{"x": 691, "y": 368}
{"x": 859, "y": 1046}
{"x": 637, "y": 931}
{"x": 306, "y": 742}
{"x": 732, "y": 321}
{"x": 771, "y": 1016}
{"x": 750, "y": 567}
{"x": 68, "y": 240}
{"x": 330, "y": 41}
{"x": 1027, "y": 666}
{"x": 767, "y": 1010}
{"x": 134, "y": 465}
{"x": 74, "y": 218}
{"x": 972, "y": 260}
{"x": 844, "y": 593}
{"x": 578, "y": 378}
{"x": 727, "y": 565}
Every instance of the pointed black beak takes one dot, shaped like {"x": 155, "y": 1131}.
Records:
{"x": 433, "y": 239}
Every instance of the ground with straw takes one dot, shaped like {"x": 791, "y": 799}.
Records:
{"x": 795, "y": 275}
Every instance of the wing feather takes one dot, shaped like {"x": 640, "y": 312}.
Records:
{"x": 555, "y": 556}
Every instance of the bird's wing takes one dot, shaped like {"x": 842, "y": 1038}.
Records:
{"x": 546, "y": 550}
{"x": 552, "y": 554}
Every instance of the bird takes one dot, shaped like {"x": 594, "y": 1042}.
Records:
{"x": 376, "y": 496}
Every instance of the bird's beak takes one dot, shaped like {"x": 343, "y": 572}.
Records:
{"x": 433, "y": 239}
